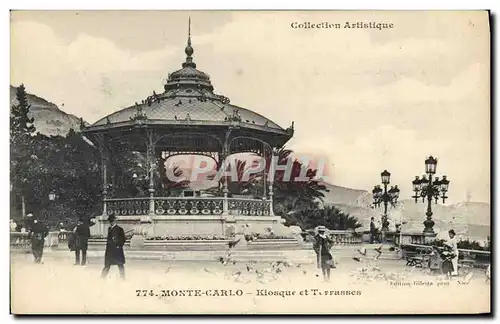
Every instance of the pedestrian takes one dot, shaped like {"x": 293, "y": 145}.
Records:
{"x": 13, "y": 226}
{"x": 322, "y": 245}
{"x": 37, "y": 233}
{"x": 373, "y": 231}
{"x": 452, "y": 244}
{"x": 114, "y": 248}
{"x": 28, "y": 222}
{"x": 81, "y": 237}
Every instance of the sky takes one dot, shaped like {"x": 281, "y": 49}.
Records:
{"x": 365, "y": 99}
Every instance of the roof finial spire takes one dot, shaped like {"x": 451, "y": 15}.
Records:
{"x": 189, "y": 50}
{"x": 189, "y": 31}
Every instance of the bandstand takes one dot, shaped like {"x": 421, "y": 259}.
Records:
{"x": 188, "y": 118}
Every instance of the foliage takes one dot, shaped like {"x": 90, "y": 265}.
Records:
{"x": 23, "y": 162}
{"x": 472, "y": 245}
{"x": 245, "y": 183}
{"x": 65, "y": 166}
{"x": 132, "y": 167}
{"x": 190, "y": 238}
{"x": 258, "y": 236}
{"x": 463, "y": 244}
{"x": 330, "y": 217}
{"x": 292, "y": 193}
{"x": 68, "y": 167}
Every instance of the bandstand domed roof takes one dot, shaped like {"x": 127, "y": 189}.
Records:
{"x": 189, "y": 99}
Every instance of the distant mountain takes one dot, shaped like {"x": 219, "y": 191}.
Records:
{"x": 468, "y": 218}
{"x": 49, "y": 119}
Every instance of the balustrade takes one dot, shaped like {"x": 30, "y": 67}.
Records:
{"x": 128, "y": 206}
{"x": 19, "y": 240}
{"x": 250, "y": 207}
{"x": 346, "y": 237}
{"x": 188, "y": 206}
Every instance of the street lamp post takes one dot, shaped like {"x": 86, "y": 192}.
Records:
{"x": 429, "y": 189}
{"x": 385, "y": 197}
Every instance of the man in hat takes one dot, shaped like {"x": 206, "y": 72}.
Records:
{"x": 114, "y": 248}
{"x": 38, "y": 231}
{"x": 82, "y": 235}
{"x": 322, "y": 245}
{"x": 28, "y": 222}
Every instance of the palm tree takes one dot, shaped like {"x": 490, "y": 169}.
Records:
{"x": 295, "y": 194}
{"x": 243, "y": 184}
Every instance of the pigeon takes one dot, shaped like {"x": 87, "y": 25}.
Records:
{"x": 356, "y": 259}
{"x": 488, "y": 273}
{"x": 233, "y": 243}
{"x": 379, "y": 252}
{"x": 468, "y": 277}
{"x": 362, "y": 251}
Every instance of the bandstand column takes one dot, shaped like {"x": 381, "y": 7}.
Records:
{"x": 225, "y": 190}
{"x": 103, "y": 150}
{"x": 271, "y": 181}
{"x": 151, "y": 167}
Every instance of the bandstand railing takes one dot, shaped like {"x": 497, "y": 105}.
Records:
{"x": 127, "y": 206}
{"x": 188, "y": 206}
{"x": 250, "y": 207}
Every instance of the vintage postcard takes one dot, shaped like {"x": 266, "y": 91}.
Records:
{"x": 250, "y": 162}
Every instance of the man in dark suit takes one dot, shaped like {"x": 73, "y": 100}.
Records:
{"x": 38, "y": 232}
{"x": 114, "y": 248}
{"x": 82, "y": 235}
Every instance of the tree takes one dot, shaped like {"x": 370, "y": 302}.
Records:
{"x": 244, "y": 184}
{"x": 23, "y": 159}
{"x": 69, "y": 168}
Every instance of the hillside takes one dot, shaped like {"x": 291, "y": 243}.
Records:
{"x": 49, "y": 119}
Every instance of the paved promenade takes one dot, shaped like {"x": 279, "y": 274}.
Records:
{"x": 176, "y": 286}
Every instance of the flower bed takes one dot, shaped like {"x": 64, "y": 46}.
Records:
{"x": 273, "y": 237}
{"x": 188, "y": 238}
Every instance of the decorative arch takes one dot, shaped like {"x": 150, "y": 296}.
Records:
{"x": 249, "y": 139}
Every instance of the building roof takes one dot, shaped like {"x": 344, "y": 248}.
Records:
{"x": 189, "y": 98}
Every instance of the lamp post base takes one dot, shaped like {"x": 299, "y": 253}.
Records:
{"x": 429, "y": 224}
